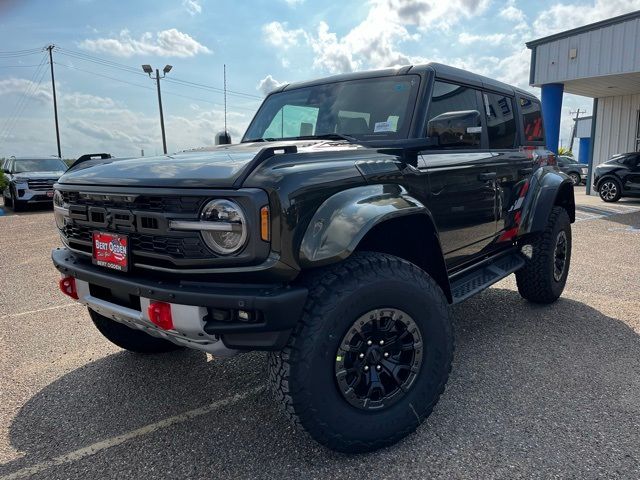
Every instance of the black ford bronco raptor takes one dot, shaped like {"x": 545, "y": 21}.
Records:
{"x": 354, "y": 212}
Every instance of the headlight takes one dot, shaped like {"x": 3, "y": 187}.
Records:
{"x": 223, "y": 226}
{"x": 59, "y": 209}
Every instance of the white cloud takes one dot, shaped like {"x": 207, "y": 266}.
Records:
{"x": 294, "y": 3}
{"x": 39, "y": 92}
{"x": 493, "y": 38}
{"x": 84, "y": 100}
{"x": 193, "y": 7}
{"x": 554, "y": 18}
{"x": 276, "y": 34}
{"x": 268, "y": 84}
{"x": 168, "y": 43}
{"x": 513, "y": 13}
{"x": 376, "y": 41}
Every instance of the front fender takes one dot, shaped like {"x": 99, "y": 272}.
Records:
{"x": 344, "y": 219}
{"x": 547, "y": 188}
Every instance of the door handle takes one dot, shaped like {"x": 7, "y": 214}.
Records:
{"x": 487, "y": 176}
{"x": 525, "y": 171}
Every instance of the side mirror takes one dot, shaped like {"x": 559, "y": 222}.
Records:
{"x": 5, "y": 170}
{"x": 223, "y": 138}
{"x": 461, "y": 128}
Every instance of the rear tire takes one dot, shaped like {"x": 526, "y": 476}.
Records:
{"x": 575, "y": 178}
{"x": 544, "y": 276}
{"x": 610, "y": 190}
{"x": 368, "y": 294}
{"x": 133, "y": 340}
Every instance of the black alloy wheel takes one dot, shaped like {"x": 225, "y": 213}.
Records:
{"x": 379, "y": 359}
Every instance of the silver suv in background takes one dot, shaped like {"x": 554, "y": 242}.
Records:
{"x": 30, "y": 180}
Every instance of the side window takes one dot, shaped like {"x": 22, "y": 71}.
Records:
{"x": 532, "y": 120}
{"x": 454, "y": 116}
{"x": 292, "y": 121}
{"x": 501, "y": 120}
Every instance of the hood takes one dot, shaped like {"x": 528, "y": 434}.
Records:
{"x": 37, "y": 175}
{"x": 212, "y": 167}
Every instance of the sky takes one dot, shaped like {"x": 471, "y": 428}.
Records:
{"x": 106, "y": 102}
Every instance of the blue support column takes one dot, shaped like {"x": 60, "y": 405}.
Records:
{"x": 551, "y": 113}
{"x": 583, "y": 155}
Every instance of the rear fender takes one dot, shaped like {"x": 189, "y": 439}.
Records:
{"x": 547, "y": 188}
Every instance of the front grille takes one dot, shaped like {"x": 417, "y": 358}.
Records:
{"x": 188, "y": 245}
{"x": 42, "y": 185}
{"x": 150, "y": 203}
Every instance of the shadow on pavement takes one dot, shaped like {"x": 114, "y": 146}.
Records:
{"x": 535, "y": 391}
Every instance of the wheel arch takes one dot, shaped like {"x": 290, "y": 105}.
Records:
{"x": 548, "y": 188}
{"x": 368, "y": 218}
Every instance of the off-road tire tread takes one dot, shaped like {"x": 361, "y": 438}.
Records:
{"x": 533, "y": 279}
{"x": 326, "y": 286}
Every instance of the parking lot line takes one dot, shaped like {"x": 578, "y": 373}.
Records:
{"x": 19, "y": 314}
{"x": 97, "y": 447}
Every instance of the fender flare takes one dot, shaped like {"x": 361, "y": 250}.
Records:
{"x": 547, "y": 188}
{"x": 342, "y": 220}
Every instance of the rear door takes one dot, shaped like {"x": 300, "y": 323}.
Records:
{"x": 461, "y": 173}
{"x": 512, "y": 164}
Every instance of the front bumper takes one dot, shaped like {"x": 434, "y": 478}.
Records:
{"x": 125, "y": 298}
{"x": 27, "y": 195}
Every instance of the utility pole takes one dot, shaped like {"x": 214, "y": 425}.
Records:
{"x": 575, "y": 125}
{"x": 55, "y": 100}
{"x": 148, "y": 70}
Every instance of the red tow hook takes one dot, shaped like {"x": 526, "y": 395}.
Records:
{"x": 160, "y": 315}
{"x": 68, "y": 287}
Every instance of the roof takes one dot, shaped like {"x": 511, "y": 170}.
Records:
{"x": 440, "y": 70}
{"x": 584, "y": 28}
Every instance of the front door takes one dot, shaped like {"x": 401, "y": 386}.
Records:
{"x": 462, "y": 174}
{"x": 463, "y": 202}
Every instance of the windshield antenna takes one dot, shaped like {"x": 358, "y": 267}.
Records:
{"x": 224, "y": 73}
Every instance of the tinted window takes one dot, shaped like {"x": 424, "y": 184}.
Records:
{"x": 367, "y": 109}
{"x": 454, "y": 116}
{"x": 501, "y": 121}
{"x": 532, "y": 120}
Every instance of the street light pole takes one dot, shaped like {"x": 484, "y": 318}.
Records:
{"x": 148, "y": 70}
{"x": 164, "y": 138}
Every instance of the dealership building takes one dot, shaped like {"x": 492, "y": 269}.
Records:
{"x": 601, "y": 61}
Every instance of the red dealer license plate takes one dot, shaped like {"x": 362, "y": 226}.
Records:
{"x": 111, "y": 250}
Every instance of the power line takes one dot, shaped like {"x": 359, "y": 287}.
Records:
{"x": 19, "y": 66}
{"x": 120, "y": 66}
{"x": 18, "y": 106}
{"x": 169, "y": 92}
{"x": 17, "y": 111}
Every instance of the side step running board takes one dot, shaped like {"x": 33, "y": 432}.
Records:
{"x": 485, "y": 275}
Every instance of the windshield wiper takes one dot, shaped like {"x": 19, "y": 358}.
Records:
{"x": 329, "y": 136}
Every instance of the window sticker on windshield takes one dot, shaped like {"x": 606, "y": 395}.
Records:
{"x": 400, "y": 87}
{"x": 383, "y": 127}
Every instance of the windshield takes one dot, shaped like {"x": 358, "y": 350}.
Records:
{"x": 367, "y": 109}
{"x": 39, "y": 165}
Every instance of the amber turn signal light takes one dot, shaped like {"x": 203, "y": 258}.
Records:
{"x": 265, "y": 224}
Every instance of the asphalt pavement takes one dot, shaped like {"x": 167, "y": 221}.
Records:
{"x": 535, "y": 391}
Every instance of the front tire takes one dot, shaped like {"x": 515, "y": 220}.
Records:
{"x": 17, "y": 205}
{"x": 544, "y": 276}
{"x": 610, "y": 190}
{"x": 133, "y": 340}
{"x": 321, "y": 376}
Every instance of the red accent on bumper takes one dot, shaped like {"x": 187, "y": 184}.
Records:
{"x": 68, "y": 287}
{"x": 160, "y": 315}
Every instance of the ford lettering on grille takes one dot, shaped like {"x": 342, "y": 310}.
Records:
{"x": 118, "y": 219}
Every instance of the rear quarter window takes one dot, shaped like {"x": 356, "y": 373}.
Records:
{"x": 531, "y": 120}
